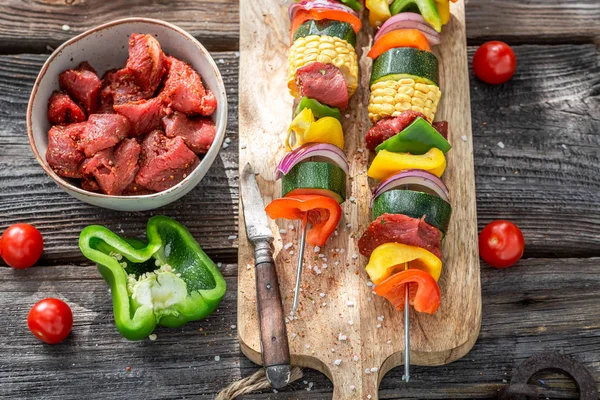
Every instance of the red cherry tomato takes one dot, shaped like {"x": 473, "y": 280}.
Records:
{"x": 501, "y": 244}
{"x": 494, "y": 62}
{"x": 50, "y": 320}
{"x": 21, "y": 246}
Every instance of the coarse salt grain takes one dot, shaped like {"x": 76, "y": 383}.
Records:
{"x": 464, "y": 138}
{"x": 227, "y": 140}
{"x": 217, "y": 358}
{"x": 66, "y": 27}
{"x": 342, "y": 251}
{"x": 337, "y": 362}
{"x": 152, "y": 337}
{"x": 231, "y": 237}
{"x": 503, "y": 179}
{"x": 369, "y": 284}
{"x": 352, "y": 199}
{"x": 374, "y": 369}
{"x": 243, "y": 146}
{"x": 350, "y": 323}
{"x": 367, "y": 371}
{"x": 342, "y": 337}
{"x": 308, "y": 346}
{"x": 360, "y": 150}
{"x": 501, "y": 145}
{"x": 380, "y": 318}
{"x": 317, "y": 249}
{"x": 225, "y": 145}
{"x": 294, "y": 335}
{"x": 324, "y": 266}
{"x": 324, "y": 304}
{"x": 291, "y": 227}
{"x": 369, "y": 397}
{"x": 283, "y": 231}
{"x": 350, "y": 303}
{"x": 354, "y": 256}
{"x": 355, "y": 358}
{"x": 378, "y": 326}
{"x": 352, "y": 387}
{"x": 322, "y": 294}
{"x": 233, "y": 326}
{"x": 288, "y": 246}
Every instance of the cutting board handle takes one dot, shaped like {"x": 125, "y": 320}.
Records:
{"x": 355, "y": 384}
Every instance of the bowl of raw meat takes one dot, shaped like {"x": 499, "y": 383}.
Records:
{"x": 129, "y": 115}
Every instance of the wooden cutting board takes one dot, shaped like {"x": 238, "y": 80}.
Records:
{"x": 335, "y": 298}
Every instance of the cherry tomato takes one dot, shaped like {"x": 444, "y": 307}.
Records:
{"x": 21, "y": 246}
{"x": 50, "y": 320}
{"x": 501, "y": 244}
{"x": 494, "y": 62}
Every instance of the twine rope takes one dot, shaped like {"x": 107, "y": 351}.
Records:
{"x": 253, "y": 383}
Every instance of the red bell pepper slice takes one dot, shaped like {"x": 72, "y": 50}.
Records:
{"x": 399, "y": 38}
{"x": 322, "y": 212}
{"x": 424, "y": 293}
{"x": 302, "y": 16}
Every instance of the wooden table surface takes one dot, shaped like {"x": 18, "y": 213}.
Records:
{"x": 537, "y": 159}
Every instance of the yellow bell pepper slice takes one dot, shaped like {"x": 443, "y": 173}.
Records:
{"x": 304, "y": 129}
{"x": 387, "y": 163}
{"x": 443, "y": 7}
{"x": 379, "y": 11}
{"x": 390, "y": 258}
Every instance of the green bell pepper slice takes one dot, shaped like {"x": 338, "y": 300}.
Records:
{"x": 168, "y": 281}
{"x": 427, "y": 9}
{"x": 319, "y": 109}
{"x": 417, "y": 138}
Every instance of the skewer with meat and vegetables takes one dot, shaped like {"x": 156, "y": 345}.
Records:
{"x": 323, "y": 75}
{"x": 410, "y": 208}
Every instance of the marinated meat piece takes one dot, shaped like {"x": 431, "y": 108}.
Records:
{"x": 144, "y": 115}
{"x": 121, "y": 86}
{"x": 90, "y": 185}
{"x": 83, "y": 85}
{"x": 184, "y": 92}
{"x": 397, "y": 228}
{"x": 165, "y": 162}
{"x": 103, "y": 131}
{"x": 146, "y": 61}
{"x": 197, "y": 133}
{"x": 63, "y": 110}
{"x": 63, "y": 154}
{"x": 114, "y": 170}
{"x": 323, "y": 82}
{"x": 442, "y": 128}
{"x": 388, "y": 127}
{"x": 136, "y": 190}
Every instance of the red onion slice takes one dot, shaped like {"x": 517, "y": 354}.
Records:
{"x": 312, "y": 4}
{"x": 325, "y": 150}
{"x": 413, "y": 179}
{"x": 408, "y": 20}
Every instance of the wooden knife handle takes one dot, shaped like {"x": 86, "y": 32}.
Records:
{"x": 273, "y": 333}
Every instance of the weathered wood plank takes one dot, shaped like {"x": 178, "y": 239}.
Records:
{"x": 539, "y": 305}
{"x": 27, "y": 194}
{"x": 533, "y": 21}
{"x": 547, "y": 118}
{"x": 32, "y": 26}
{"x": 537, "y": 149}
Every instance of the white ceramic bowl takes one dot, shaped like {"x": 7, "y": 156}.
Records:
{"x": 105, "y": 47}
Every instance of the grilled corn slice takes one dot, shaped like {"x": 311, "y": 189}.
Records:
{"x": 325, "y": 49}
{"x": 391, "y": 98}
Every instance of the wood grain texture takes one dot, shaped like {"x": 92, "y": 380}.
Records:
{"x": 337, "y": 293}
{"x": 32, "y": 26}
{"x": 541, "y": 305}
{"x": 533, "y": 21}
{"x": 27, "y": 194}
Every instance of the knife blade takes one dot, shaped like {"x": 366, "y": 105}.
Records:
{"x": 273, "y": 333}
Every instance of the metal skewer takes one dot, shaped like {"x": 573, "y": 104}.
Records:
{"x": 406, "y": 376}
{"x": 300, "y": 264}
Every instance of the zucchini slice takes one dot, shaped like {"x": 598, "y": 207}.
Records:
{"x": 413, "y": 204}
{"x": 406, "y": 61}
{"x": 315, "y": 177}
{"x": 327, "y": 27}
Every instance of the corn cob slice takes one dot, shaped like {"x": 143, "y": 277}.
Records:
{"x": 391, "y": 97}
{"x": 325, "y": 49}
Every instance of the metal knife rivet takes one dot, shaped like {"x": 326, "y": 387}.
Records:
{"x": 273, "y": 339}
{"x": 269, "y": 286}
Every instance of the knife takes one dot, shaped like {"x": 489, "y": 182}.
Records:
{"x": 273, "y": 334}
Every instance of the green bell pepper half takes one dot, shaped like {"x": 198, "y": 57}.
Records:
{"x": 417, "y": 138}
{"x": 319, "y": 109}
{"x": 427, "y": 9}
{"x": 167, "y": 281}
